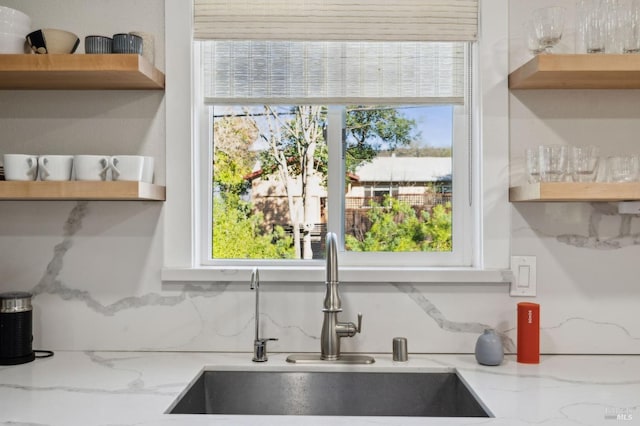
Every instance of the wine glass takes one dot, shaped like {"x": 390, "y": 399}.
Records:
{"x": 549, "y": 24}
{"x": 531, "y": 37}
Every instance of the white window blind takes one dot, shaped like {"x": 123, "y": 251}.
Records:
{"x": 244, "y": 72}
{"x": 343, "y": 20}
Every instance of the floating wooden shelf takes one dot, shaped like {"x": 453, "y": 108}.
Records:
{"x": 78, "y": 72}
{"x": 593, "y": 71}
{"x": 575, "y": 191}
{"x": 81, "y": 190}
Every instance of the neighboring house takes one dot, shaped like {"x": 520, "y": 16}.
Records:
{"x": 269, "y": 196}
{"x": 421, "y": 181}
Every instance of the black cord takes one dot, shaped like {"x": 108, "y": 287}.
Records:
{"x": 46, "y": 354}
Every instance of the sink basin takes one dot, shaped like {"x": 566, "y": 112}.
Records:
{"x": 329, "y": 393}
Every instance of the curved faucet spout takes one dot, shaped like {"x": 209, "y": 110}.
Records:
{"x": 332, "y": 257}
{"x": 332, "y": 302}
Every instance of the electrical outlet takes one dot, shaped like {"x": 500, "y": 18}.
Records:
{"x": 524, "y": 276}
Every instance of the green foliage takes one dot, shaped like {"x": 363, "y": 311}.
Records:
{"x": 373, "y": 129}
{"x": 238, "y": 233}
{"x": 415, "y": 150}
{"x": 232, "y": 159}
{"x": 439, "y": 228}
{"x": 396, "y": 227}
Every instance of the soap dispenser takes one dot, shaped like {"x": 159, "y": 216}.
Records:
{"x": 489, "y": 348}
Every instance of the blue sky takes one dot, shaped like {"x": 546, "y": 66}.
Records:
{"x": 434, "y": 122}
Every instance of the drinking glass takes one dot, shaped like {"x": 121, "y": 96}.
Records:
{"x": 593, "y": 23}
{"x": 531, "y": 37}
{"x": 583, "y": 163}
{"x": 549, "y": 24}
{"x": 627, "y": 13}
{"x": 533, "y": 164}
{"x": 553, "y": 162}
{"x": 622, "y": 168}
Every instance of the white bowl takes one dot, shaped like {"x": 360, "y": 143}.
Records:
{"x": 14, "y": 15}
{"x": 11, "y": 43}
{"x": 15, "y": 28}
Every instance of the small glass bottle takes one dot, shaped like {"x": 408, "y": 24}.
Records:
{"x": 489, "y": 348}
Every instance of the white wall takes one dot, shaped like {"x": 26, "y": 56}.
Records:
{"x": 95, "y": 266}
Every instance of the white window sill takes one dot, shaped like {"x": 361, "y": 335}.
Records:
{"x": 346, "y": 274}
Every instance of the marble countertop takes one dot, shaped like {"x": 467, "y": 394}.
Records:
{"x": 133, "y": 388}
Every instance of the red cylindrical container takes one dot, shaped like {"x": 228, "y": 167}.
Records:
{"x": 529, "y": 333}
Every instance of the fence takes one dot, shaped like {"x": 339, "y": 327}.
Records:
{"x": 357, "y": 223}
{"x": 427, "y": 200}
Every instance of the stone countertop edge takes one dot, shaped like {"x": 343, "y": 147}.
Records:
{"x": 137, "y": 388}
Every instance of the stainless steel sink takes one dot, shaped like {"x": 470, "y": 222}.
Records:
{"x": 329, "y": 393}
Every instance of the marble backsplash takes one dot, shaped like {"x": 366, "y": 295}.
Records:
{"x": 94, "y": 267}
{"x": 94, "y": 270}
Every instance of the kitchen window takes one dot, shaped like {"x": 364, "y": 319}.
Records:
{"x": 340, "y": 75}
{"x": 282, "y": 175}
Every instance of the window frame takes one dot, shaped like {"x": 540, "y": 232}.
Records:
{"x": 462, "y": 218}
{"x": 490, "y": 264}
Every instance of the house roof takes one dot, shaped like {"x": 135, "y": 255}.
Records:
{"x": 405, "y": 169}
{"x": 393, "y": 169}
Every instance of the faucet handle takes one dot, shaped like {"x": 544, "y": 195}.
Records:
{"x": 359, "y": 322}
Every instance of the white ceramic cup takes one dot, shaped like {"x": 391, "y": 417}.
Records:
{"x": 55, "y": 167}
{"x": 147, "y": 170}
{"x": 91, "y": 167}
{"x": 20, "y": 167}
{"x": 127, "y": 167}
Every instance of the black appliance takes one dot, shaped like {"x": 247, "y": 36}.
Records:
{"x": 16, "y": 323}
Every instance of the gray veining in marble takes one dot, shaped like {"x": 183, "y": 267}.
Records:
{"x": 154, "y": 390}
{"x": 295, "y": 327}
{"x": 50, "y": 284}
{"x": 437, "y": 315}
{"x": 594, "y": 240}
{"x": 591, "y": 322}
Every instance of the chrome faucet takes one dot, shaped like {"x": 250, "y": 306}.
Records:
{"x": 259, "y": 344}
{"x": 332, "y": 329}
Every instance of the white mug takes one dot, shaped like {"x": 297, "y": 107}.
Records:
{"x": 127, "y": 167}
{"x": 55, "y": 167}
{"x": 20, "y": 167}
{"x": 147, "y": 170}
{"x": 91, "y": 167}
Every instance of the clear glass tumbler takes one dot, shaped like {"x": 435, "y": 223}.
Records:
{"x": 593, "y": 23}
{"x": 533, "y": 164}
{"x": 622, "y": 168}
{"x": 553, "y": 162}
{"x": 627, "y": 14}
{"x": 583, "y": 163}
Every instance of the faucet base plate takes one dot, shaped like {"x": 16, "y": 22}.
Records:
{"x": 344, "y": 359}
